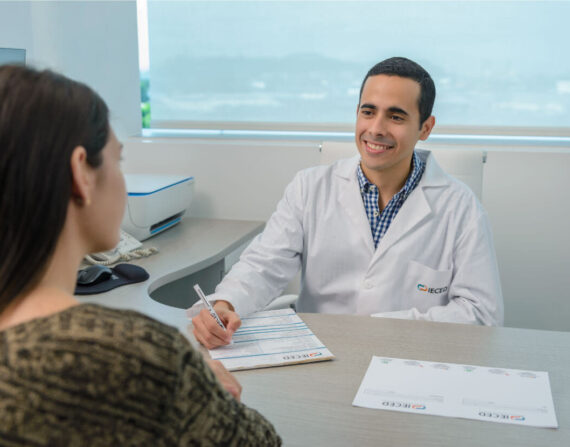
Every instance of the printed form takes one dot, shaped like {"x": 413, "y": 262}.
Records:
{"x": 509, "y": 396}
{"x": 271, "y": 338}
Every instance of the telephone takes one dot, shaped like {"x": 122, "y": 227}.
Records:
{"x": 127, "y": 249}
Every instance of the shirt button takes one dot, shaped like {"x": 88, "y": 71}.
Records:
{"x": 376, "y": 213}
{"x": 368, "y": 284}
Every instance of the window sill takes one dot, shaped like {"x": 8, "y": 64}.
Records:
{"x": 552, "y": 143}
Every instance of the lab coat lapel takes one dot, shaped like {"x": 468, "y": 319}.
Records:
{"x": 350, "y": 200}
{"x": 415, "y": 209}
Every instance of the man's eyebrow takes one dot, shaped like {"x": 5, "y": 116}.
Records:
{"x": 398, "y": 110}
{"x": 393, "y": 109}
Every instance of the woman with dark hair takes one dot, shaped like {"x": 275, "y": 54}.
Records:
{"x": 83, "y": 374}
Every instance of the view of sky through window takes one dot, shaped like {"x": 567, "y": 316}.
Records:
{"x": 494, "y": 63}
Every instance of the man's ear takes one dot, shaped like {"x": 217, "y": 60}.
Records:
{"x": 427, "y": 127}
{"x": 83, "y": 178}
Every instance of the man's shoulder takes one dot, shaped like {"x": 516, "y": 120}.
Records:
{"x": 343, "y": 168}
{"x": 436, "y": 175}
{"x": 447, "y": 195}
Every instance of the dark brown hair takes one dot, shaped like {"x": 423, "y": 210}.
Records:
{"x": 406, "y": 68}
{"x": 44, "y": 116}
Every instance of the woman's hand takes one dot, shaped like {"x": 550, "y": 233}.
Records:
{"x": 226, "y": 379}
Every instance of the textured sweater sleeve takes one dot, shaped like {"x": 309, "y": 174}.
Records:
{"x": 206, "y": 414}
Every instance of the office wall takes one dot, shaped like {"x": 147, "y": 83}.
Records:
{"x": 91, "y": 41}
{"x": 527, "y": 196}
{"x": 234, "y": 179}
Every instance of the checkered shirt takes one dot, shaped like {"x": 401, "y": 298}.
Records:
{"x": 380, "y": 221}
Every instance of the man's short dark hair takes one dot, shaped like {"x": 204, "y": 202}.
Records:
{"x": 405, "y": 68}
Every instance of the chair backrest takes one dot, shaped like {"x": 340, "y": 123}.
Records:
{"x": 464, "y": 165}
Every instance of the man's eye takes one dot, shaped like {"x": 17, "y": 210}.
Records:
{"x": 397, "y": 118}
{"x": 366, "y": 112}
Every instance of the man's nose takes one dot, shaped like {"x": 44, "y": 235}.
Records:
{"x": 378, "y": 126}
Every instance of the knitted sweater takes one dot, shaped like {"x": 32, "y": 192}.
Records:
{"x": 95, "y": 376}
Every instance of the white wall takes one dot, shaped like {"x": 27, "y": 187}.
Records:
{"x": 16, "y": 25}
{"x": 527, "y": 196}
{"x": 233, "y": 179}
{"x": 91, "y": 41}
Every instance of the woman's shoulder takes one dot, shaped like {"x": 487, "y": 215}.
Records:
{"x": 92, "y": 321}
{"x": 89, "y": 333}
{"x": 121, "y": 366}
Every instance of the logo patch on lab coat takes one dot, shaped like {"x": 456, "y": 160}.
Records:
{"x": 437, "y": 290}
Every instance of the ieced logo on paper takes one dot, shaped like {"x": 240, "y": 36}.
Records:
{"x": 309, "y": 355}
{"x": 395, "y": 404}
{"x": 493, "y": 415}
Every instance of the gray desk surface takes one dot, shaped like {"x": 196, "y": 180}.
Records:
{"x": 311, "y": 404}
{"x": 187, "y": 248}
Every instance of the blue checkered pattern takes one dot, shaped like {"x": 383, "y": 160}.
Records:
{"x": 380, "y": 221}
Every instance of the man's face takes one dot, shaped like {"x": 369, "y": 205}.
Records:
{"x": 388, "y": 124}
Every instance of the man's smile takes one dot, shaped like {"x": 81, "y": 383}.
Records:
{"x": 376, "y": 148}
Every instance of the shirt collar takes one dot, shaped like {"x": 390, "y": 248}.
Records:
{"x": 362, "y": 180}
{"x": 417, "y": 170}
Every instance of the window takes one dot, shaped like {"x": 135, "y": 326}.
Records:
{"x": 285, "y": 64}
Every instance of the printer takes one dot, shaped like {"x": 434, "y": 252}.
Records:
{"x": 155, "y": 203}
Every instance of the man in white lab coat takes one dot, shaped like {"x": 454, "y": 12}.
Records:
{"x": 386, "y": 233}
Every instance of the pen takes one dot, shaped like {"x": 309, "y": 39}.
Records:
{"x": 208, "y": 305}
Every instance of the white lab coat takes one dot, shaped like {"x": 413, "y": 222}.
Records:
{"x": 436, "y": 261}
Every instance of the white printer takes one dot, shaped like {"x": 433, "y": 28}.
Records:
{"x": 155, "y": 203}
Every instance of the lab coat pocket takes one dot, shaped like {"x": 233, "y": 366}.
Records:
{"x": 427, "y": 287}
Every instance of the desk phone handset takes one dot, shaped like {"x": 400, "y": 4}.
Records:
{"x": 126, "y": 245}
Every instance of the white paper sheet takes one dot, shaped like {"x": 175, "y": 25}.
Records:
{"x": 509, "y": 396}
{"x": 271, "y": 338}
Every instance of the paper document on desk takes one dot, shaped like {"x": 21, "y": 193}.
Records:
{"x": 271, "y": 338}
{"x": 510, "y": 396}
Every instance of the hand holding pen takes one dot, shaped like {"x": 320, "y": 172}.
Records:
{"x": 214, "y": 325}
{"x": 208, "y": 306}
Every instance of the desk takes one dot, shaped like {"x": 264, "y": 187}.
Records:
{"x": 311, "y": 404}
{"x": 193, "y": 247}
